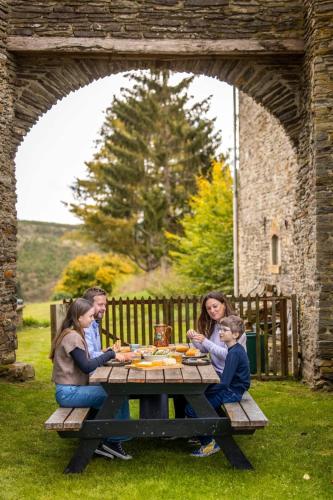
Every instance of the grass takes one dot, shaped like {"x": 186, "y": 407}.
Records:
{"x": 298, "y": 441}
{"x": 38, "y": 310}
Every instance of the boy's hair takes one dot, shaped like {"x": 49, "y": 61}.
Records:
{"x": 92, "y": 292}
{"x": 235, "y": 323}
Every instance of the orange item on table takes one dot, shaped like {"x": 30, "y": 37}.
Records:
{"x": 181, "y": 348}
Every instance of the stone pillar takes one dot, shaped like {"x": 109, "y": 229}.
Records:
{"x": 314, "y": 218}
{"x": 8, "y": 340}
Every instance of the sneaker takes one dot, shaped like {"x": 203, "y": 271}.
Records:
{"x": 206, "y": 450}
{"x": 99, "y": 451}
{"x": 116, "y": 450}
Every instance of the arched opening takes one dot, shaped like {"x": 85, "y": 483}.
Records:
{"x": 54, "y": 155}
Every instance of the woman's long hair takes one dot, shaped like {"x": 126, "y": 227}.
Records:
{"x": 71, "y": 322}
{"x": 205, "y": 323}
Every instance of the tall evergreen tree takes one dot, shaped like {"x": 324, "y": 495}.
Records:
{"x": 153, "y": 144}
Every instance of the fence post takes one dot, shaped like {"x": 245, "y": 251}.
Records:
{"x": 294, "y": 336}
{"x": 57, "y": 316}
{"x": 258, "y": 339}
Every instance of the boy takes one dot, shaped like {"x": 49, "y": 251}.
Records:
{"x": 235, "y": 379}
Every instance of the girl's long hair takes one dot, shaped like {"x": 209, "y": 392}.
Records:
{"x": 71, "y": 322}
{"x": 205, "y": 323}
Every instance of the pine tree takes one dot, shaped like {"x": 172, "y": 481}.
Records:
{"x": 152, "y": 145}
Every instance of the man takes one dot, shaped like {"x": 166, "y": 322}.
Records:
{"x": 97, "y": 296}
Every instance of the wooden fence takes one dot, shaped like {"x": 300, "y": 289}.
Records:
{"x": 271, "y": 319}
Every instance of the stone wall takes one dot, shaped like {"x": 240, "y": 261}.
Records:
{"x": 267, "y": 183}
{"x": 314, "y": 196}
{"x": 212, "y": 19}
{"x": 8, "y": 342}
{"x": 298, "y": 206}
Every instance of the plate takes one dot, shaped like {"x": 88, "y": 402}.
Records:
{"x": 196, "y": 361}
{"x": 201, "y": 355}
{"x": 115, "y": 362}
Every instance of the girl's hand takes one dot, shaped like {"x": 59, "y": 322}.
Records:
{"x": 198, "y": 337}
{"x": 120, "y": 356}
{"x": 129, "y": 355}
{"x": 191, "y": 333}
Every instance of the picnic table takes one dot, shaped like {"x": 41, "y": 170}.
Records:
{"x": 153, "y": 388}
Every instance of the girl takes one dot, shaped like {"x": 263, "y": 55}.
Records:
{"x": 71, "y": 368}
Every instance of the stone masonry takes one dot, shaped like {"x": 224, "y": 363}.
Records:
{"x": 277, "y": 52}
{"x": 267, "y": 185}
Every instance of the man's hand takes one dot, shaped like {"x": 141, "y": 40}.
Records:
{"x": 117, "y": 346}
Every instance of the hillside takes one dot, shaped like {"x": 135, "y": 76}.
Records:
{"x": 44, "y": 249}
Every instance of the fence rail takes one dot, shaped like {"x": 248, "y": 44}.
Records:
{"x": 272, "y": 345}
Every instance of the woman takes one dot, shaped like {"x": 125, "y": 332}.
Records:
{"x": 71, "y": 368}
{"x": 214, "y": 307}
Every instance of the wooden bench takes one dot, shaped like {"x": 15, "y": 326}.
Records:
{"x": 66, "y": 419}
{"x": 245, "y": 415}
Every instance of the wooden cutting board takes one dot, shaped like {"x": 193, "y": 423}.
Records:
{"x": 148, "y": 368}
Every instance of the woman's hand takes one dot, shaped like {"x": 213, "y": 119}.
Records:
{"x": 190, "y": 333}
{"x": 198, "y": 337}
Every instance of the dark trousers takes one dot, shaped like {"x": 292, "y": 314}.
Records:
{"x": 216, "y": 395}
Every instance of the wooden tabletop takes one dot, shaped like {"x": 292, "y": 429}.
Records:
{"x": 187, "y": 374}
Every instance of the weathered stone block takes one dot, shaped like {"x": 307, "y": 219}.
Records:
{"x": 17, "y": 372}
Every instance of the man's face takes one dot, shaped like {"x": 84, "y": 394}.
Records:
{"x": 100, "y": 306}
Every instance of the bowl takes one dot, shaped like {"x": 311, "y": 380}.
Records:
{"x": 151, "y": 357}
{"x": 134, "y": 347}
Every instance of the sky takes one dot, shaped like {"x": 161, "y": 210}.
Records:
{"x": 54, "y": 152}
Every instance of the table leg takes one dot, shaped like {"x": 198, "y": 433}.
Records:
{"x": 233, "y": 453}
{"x": 231, "y": 450}
{"x": 155, "y": 406}
{"x": 86, "y": 447}
{"x": 82, "y": 456}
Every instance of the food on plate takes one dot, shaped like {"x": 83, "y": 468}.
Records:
{"x": 181, "y": 348}
{"x": 192, "y": 352}
{"x": 144, "y": 364}
{"x": 169, "y": 361}
{"x": 161, "y": 352}
{"x": 125, "y": 348}
{"x": 157, "y": 362}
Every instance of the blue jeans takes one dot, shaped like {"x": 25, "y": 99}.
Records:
{"x": 82, "y": 396}
{"x": 216, "y": 395}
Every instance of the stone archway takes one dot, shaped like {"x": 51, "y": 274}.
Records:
{"x": 48, "y": 49}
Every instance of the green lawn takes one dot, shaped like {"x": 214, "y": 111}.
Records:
{"x": 298, "y": 441}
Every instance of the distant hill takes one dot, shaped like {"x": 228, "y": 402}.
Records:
{"x": 44, "y": 249}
